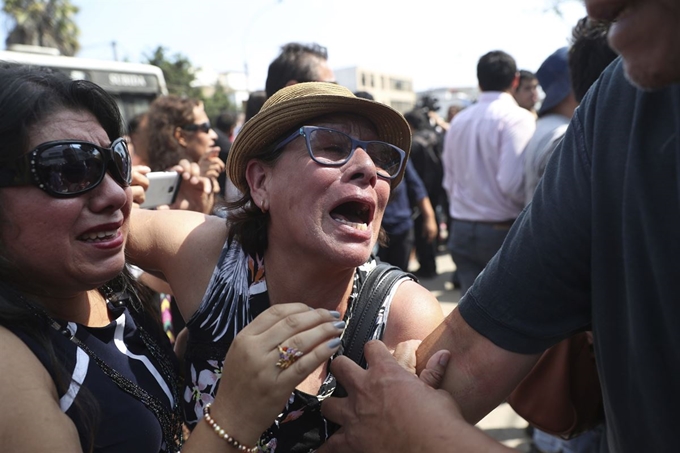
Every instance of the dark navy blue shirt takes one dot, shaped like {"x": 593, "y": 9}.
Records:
{"x": 398, "y": 213}
{"x": 599, "y": 246}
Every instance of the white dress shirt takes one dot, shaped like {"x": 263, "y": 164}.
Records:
{"x": 482, "y": 159}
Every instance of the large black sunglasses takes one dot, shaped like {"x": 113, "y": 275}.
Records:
{"x": 332, "y": 148}
{"x": 203, "y": 127}
{"x": 68, "y": 168}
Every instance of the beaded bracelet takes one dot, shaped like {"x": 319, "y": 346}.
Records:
{"x": 220, "y": 432}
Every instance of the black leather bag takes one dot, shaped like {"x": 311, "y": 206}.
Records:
{"x": 361, "y": 326}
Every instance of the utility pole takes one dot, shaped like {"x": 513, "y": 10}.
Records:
{"x": 115, "y": 50}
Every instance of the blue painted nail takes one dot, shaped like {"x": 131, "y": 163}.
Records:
{"x": 334, "y": 343}
{"x": 335, "y": 314}
{"x": 339, "y": 324}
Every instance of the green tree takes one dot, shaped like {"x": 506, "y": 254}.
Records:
{"x": 47, "y": 23}
{"x": 180, "y": 74}
{"x": 177, "y": 70}
{"x": 218, "y": 102}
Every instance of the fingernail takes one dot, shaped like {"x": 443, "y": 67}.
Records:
{"x": 444, "y": 360}
{"x": 335, "y": 314}
{"x": 339, "y": 324}
{"x": 334, "y": 343}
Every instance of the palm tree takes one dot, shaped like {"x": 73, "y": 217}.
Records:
{"x": 47, "y": 23}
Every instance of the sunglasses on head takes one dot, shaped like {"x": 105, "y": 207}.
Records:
{"x": 332, "y": 148}
{"x": 68, "y": 168}
{"x": 203, "y": 127}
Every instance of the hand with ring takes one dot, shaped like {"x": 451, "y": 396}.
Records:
{"x": 267, "y": 360}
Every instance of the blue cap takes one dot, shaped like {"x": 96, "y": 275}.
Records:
{"x": 553, "y": 76}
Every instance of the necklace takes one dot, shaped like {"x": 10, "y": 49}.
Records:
{"x": 170, "y": 420}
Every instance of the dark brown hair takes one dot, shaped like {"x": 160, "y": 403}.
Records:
{"x": 166, "y": 114}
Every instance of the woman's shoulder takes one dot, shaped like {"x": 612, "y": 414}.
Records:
{"x": 414, "y": 314}
{"x": 27, "y": 389}
{"x": 19, "y": 357}
{"x": 23, "y": 341}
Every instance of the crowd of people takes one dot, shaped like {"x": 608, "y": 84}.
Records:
{"x": 220, "y": 322}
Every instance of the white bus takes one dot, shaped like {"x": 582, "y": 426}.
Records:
{"x": 133, "y": 85}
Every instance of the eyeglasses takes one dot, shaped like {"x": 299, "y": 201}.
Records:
{"x": 203, "y": 127}
{"x": 68, "y": 168}
{"x": 332, "y": 148}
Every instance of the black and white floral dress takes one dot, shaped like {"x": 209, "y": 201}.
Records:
{"x": 236, "y": 294}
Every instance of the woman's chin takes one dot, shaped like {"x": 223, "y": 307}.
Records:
{"x": 353, "y": 255}
{"x": 105, "y": 274}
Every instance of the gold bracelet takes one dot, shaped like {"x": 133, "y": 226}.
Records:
{"x": 220, "y": 432}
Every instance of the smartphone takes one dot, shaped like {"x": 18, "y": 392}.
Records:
{"x": 163, "y": 188}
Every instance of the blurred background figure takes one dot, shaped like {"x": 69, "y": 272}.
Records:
{"x": 484, "y": 167}
{"x": 426, "y": 159}
{"x": 225, "y": 126}
{"x": 254, "y": 103}
{"x": 179, "y": 129}
{"x": 453, "y": 110}
{"x": 138, "y": 139}
{"x": 409, "y": 201}
{"x": 526, "y": 93}
{"x": 554, "y": 115}
{"x": 298, "y": 63}
{"x": 398, "y": 221}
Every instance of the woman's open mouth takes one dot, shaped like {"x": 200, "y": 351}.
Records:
{"x": 354, "y": 214}
{"x": 98, "y": 236}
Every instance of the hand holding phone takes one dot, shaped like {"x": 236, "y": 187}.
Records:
{"x": 163, "y": 188}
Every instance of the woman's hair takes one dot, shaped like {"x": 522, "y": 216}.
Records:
{"x": 166, "y": 114}
{"x": 247, "y": 223}
{"x": 28, "y": 95}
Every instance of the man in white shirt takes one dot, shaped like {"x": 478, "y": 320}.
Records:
{"x": 484, "y": 167}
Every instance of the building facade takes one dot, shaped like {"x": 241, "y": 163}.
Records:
{"x": 395, "y": 91}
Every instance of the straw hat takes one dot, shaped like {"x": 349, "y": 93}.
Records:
{"x": 293, "y": 106}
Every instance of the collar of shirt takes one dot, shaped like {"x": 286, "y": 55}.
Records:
{"x": 490, "y": 96}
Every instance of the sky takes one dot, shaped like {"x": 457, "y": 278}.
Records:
{"x": 435, "y": 42}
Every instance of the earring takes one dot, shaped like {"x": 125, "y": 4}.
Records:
{"x": 264, "y": 207}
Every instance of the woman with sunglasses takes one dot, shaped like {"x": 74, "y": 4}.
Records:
{"x": 316, "y": 167}
{"x": 85, "y": 366}
{"x": 179, "y": 129}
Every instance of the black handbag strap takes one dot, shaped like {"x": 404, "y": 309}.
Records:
{"x": 372, "y": 293}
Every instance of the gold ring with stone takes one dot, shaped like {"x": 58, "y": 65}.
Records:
{"x": 287, "y": 356}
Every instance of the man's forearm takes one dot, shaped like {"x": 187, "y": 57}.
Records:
{"x": 480, "y": 375}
